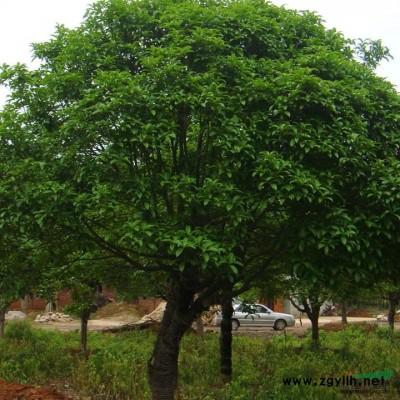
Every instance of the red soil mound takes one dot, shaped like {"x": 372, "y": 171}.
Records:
{"x": 16, "y": 391}
{"x": 359, "y": 313}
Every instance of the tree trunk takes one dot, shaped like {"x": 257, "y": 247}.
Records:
{"x": 314, "y": 329}
{"x": 84, "y": 331}
{"x": 312, "y": 308}
{"x": 2, "y": 321}
{"x": 392, "y": 312}
{"x": 163, "y": 364}
{"x": 343, "y": 312}
{"x": 225, "y": 342}
{"x": 199, "y": 326}
{"x": 25, "y": 303}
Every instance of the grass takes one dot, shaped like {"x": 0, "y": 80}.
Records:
{"x": 115, "y": 366}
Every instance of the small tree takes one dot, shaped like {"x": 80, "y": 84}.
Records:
{"x": 390, "y": 292}
{"x": 87, "y": 300}
{"x": 308, "y": 297}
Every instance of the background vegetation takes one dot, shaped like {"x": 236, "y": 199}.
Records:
{"x": 114, "y": 367}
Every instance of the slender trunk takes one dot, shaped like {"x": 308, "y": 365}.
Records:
{"x": 2, "y": 320}
{"x": 199, "y": 326}
{"x": 25, "y": 303}
{"x": 392, "y": 312}
{"x": 343, "y": 312}
{"x": 84, "y": 331}
{"x": 98, "y": 301}
{"x": 314, "y": 329}
{"x": 225, "y": 342}
{"x": 312, "y": 308}
{"x": 163, "y": 364}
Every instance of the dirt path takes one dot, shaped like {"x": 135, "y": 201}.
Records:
{"x": 93, "y": 325}
{"x": 300, "y": 330}
{"x": 102, "y": 324}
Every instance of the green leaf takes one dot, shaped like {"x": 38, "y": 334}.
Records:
{"x": 179, "y": 251}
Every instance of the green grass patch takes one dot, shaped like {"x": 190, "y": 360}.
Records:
{"x": 115, "y": 367}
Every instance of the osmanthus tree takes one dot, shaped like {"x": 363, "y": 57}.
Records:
{"x": 186, "y": 137}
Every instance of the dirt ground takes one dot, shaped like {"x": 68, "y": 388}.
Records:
{"x": 16, "y": 391}
{"x": 358, "y": 312}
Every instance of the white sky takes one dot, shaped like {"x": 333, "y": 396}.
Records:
{"x": 23, "y": 22}
{"x": 361, "y": 19}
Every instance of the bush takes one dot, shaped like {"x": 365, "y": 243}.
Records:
{"x": 18, "y": 330}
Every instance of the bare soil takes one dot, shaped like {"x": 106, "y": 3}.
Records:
{"x": 360, "y": 313}
{"x": 16, "y": 391}
{"x": 118, "y": 311}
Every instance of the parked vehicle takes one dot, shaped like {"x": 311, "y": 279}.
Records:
{"x": 329, "y": 309}
{"x": 257, "y": 315}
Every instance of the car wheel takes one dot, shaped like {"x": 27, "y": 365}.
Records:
{"x": 235, "y": 324}
{"x": 280, "y": 325}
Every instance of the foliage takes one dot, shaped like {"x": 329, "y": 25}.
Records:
{"x": 40, "y": 356}
{"x": 180, "y": 136}
{"x": 371, "y": 52}
{"x": 19, "y": 274}
{"x": 141, "y": 284}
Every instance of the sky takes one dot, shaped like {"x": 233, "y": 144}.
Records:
{"x": 23, "y": 22}
{"x": 365, "y": 19}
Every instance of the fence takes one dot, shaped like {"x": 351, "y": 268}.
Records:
{"x": 366, "y": 302}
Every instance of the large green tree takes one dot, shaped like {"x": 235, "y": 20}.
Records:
{"x": 195, "y": 138}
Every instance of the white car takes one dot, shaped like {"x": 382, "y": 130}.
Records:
{"x": 257, "y": 315}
